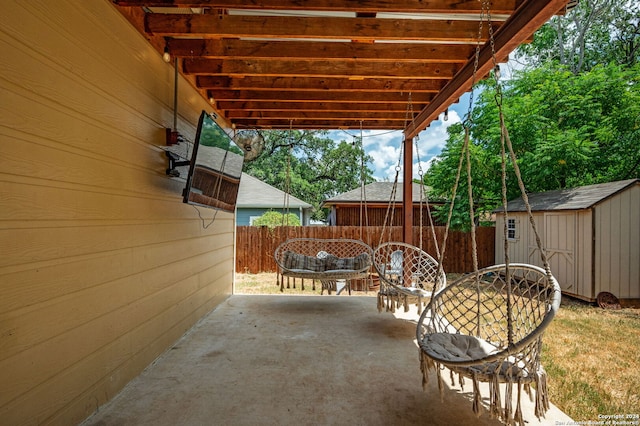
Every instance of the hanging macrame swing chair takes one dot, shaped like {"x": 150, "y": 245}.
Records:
{"x": 330, "y": 261}
{"x": 487, "y": 326}
{"x": 408, "y": 274}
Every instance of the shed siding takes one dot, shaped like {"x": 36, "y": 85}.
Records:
{"x": 559, "y": 243}
{"x": 617, "y": 254}
{"x": 584, "y": 254}
{"x": 524, "y": 248}
{"x": 103, "y": 266}
{"x": 566, "y": 239}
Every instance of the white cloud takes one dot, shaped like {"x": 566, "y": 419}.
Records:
{"x": 384, "y": 146}
{"x": 432, "y": 140}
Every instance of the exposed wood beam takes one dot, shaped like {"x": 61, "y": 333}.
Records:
{"x": 282, "y": 60}
{"x": 320, "y": 96}
{"x": 233, "y": 67}
{"x": 407, "y": 6}
{"x": 317, "y": 124}
{"x": 305, "y": 106}
{"x": 527, "y": 19}
{"x": 252, "y": 49}
{"x": 363, "y": 29}
{"x": 334, "y": 116}
{"x": 322, "y": 84}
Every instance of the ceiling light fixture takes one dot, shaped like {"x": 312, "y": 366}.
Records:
{"x": 166, "y": 56}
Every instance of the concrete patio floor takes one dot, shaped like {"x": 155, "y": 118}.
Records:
{"x": 296, "y": 360}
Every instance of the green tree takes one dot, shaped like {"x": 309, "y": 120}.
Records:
{"x": 441, "y": 177}
{"x": 594, "y": 32}
{"x": 273, "y": 218}
{"x": 310, "y": 166}
{"x": 567, "y": 130}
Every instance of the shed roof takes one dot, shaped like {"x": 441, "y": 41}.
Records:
{"x": 257, "y": 194}
{"x": 579, "y": 198}
{"x": 376, "y": 192}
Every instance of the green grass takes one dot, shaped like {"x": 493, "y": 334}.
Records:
{"x": 265, "y": 283}
{"x": 592, "y": 358}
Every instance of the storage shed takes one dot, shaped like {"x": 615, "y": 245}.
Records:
{"x": 591, "y": 235}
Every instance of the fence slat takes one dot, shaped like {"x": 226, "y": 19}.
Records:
{"x": 255, "y": 245}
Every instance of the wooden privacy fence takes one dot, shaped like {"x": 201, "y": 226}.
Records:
{"x": 255, "y": 245}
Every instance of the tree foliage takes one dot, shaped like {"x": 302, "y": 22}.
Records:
{"x": 595, "y": 32}
{"x": 311, "y": 166}
{"x": 273, "y": 218}
{"x": 567, "y": 130}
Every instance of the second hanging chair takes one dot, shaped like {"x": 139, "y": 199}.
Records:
{"x": 408, "y": 275}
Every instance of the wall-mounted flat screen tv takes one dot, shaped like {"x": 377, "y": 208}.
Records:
{"x": 215, "y": 168}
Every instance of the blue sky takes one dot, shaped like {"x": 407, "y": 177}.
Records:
{"x": 384, "y": 146}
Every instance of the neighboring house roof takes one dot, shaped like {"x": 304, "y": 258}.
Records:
{"x": 376, "y": 192}
{"x": 254, "y": 193}
{"x": 579, "y": 198}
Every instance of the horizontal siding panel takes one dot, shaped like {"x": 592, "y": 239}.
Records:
{"x": 142, "y": 343}
{"x": 50, "y": 284}
{"x": 98, "y": 328}
{"x": 70, "y": 160}
{"x": 124, "y": 79}
{"x": 30, "y": 201}
{"x": 33, "y": 245}
{"x": 42, "y": 281}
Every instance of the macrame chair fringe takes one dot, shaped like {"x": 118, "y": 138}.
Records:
{"x": 518, "y": 417}
{"x": 508, "y": 401}
{"x": 477, "y": 397}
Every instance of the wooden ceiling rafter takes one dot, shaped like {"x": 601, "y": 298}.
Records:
{"x": 460, "y": 7}
{"x": 315, "y": 124}
{"x": 312, "y": 84}
{"x": 335, "y": 63}
{"x": 218, "y": 25}
{"x": 321, "y": 115}
{"x": 317, "y": 68}
{"x": 314, "y": 106}
{"x": 318, "y": 96}
{"x": 321, "y": 50}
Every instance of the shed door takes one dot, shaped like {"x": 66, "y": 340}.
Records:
{"x": 560, "y": 244}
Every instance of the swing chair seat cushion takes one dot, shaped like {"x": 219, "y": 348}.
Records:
{"x": 452, "y": 348}
{"x": 409, "y": 291}
{"x": 457, "y": 347}
{"x": 329, "y": 264}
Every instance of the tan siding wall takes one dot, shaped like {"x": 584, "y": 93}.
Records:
{"x": 102, "y": 266}
{"x": 617, "y": 268}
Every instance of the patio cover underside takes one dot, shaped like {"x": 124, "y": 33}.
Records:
{"x": 296, "y": 360}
